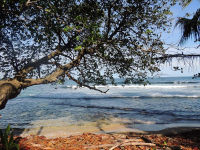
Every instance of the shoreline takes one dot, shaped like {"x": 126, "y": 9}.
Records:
{"x": 63, "y": 132}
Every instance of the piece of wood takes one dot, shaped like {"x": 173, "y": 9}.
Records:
{"x": 130, "y": 140}
{"x": 133, "y": 143}
{"x": 120, "y": 144}
{"x": 103, "y": 145}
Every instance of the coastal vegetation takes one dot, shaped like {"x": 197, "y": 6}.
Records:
{"x": 8, "y": 144}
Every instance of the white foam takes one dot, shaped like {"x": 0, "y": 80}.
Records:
{"x": 141, "y": 86}
{"x": 143, "y": 122}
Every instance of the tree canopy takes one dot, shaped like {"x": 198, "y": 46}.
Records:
{"x": 87, "y": 41}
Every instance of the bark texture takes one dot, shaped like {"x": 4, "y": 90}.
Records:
{"x": 8, "y": 90}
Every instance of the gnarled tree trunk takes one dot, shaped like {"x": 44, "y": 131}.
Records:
{"x": 8, "y": 90}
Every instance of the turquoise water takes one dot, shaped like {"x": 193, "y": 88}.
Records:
{"x": 168, "y": 101}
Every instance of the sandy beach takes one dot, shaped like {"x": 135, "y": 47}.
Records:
{"x": 110, "y": 137}
{"x": 66, "y": 131}
{"x": 96, "y": 128}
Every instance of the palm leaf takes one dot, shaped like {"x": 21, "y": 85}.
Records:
{"x": 190, "y": 28}
{"x": 185, "y": 3}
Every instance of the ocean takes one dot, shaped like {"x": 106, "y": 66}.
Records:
{"x": 167, "y": 102}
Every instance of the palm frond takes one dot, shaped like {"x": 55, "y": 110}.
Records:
{"x": 190, "y": 28}
{"x": 185, "y": 3}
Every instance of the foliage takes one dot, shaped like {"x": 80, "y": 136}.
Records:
{"x": 8, "y": 144}
{"x": 88, "y": 41}
{"x": 113, "y": 34}
{"x": 189, "y": 27}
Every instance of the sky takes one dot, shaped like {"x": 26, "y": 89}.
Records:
{"x": 189, "y": 69}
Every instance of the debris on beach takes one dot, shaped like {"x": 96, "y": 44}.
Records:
{"x": 131, "y": 141}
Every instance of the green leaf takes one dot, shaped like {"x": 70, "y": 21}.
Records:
{"x": 59, "y": 82}
{"x": 47, "y": 10}
{"x": 78, "y": 47}
{"x": 7, "y": 130}
{"x": 77, "y": 38}
{"x": 149, "y": 31}
{"x": 6, "y": 142}
{"x": 10, "y": 143}
{"x": 67, "y": 28}
{"x": 15, "y": 145}
{"x": 78, "y": 18}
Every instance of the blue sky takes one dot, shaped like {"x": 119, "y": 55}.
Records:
{"x": 188, "y": 69}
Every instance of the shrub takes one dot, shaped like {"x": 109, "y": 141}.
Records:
{"x": 8, "y": 144}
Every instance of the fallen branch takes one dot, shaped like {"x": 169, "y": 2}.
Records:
{"x": 129, "y": 140}
{"x": 133, "y": 143}
{"x": 119, "y": 144}
{"x": 97, "y": 146}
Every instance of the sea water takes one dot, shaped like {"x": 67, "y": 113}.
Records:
{"x": 167, "y": 102}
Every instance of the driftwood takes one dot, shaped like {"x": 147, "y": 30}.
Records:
{"x": 122, "y": 142}
{"x": 133, "y": 143}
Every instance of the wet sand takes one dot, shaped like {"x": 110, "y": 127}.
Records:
{"x": 53, "y": 132}
{"x": 96, "y": 128}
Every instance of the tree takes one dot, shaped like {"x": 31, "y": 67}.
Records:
{"x": 87, "y": 41}
{"x": 189, "y": 27}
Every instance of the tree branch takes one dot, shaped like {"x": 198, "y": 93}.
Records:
{"x": 11, "y": 88}
{"x": 166, "y": 56}
{"x": 8, "y": 89}
{"x": 60, "y": 71}
{"x": 109, "y": 13}
{"x": 82, "y": 84}
{"x": 117, "y": 29}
